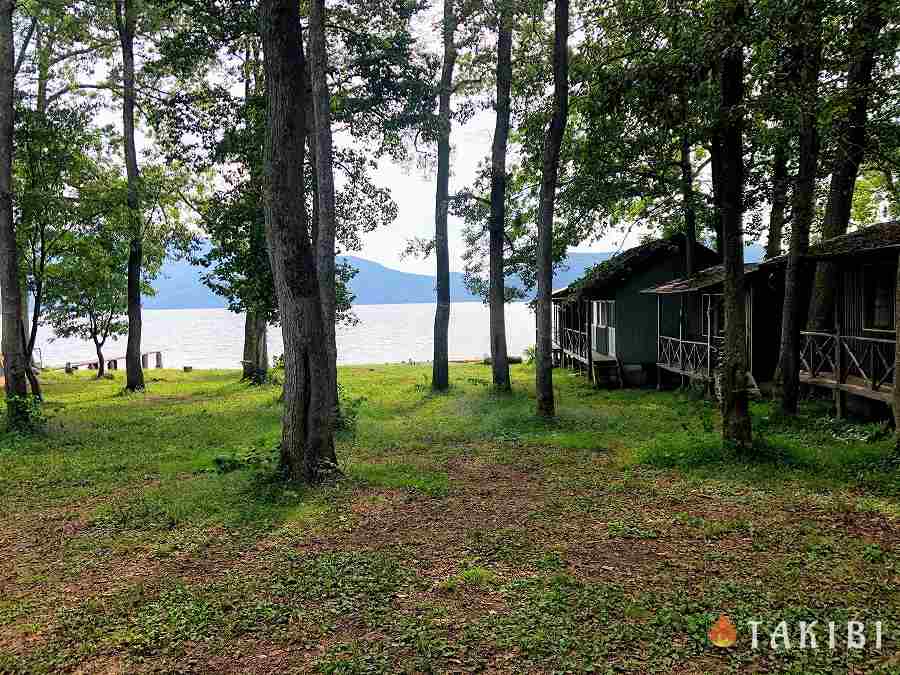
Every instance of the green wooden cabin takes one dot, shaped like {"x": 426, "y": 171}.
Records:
{"x": 604, "y": 326}
{"x": 857, "y": 355}
{"x": 690, "y": 322}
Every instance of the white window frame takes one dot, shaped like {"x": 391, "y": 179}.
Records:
{"x": 599, "y": 320}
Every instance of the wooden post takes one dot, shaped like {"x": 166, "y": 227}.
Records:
{"x": 709, "y": 331}
{"x": 145, "y": 360}
{"x": 840, "y": 397}
{"x": 69, "y": 369}
{"x": 897, "y": 354}
{"x": 658, "y": 341}
{"x": 159, "y": 360}
{"x": 590, "y": 346}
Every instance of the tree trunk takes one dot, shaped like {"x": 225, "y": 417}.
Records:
{"x": 440, "y": 375}
{"x": 125, "y": 22}
{"x": 101, "y": 364}
{"x": 779, "y": 198}
{"x": 307, "y": 446}
{"x": 715, "y": 160}
{"x": 549, "y": 176}
{"x": 325, "y": 230}
{"x": 806, "y": 65}
{"x": 256, "y": 354}
{"x": 497, "y": 227}
{"x": 687, "y": 197}
{"x": 852, "y": 140}
{"x": 736, "y": 423}
{"x": 14, "y": 361}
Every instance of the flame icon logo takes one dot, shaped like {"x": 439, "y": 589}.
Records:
{"x": 723, "y": 632}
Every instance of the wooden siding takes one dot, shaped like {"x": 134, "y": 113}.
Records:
{"x": 851, "y": 299}
{"x": 636, "y": 312}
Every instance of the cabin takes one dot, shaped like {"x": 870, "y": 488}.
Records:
{"x": 604, "y": 326}
{"x": 858, "y": 356}
{"x": 690, "y": 323}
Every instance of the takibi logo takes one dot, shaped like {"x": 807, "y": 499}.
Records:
{"x": 723, "y": 632}
{"x": 810, "y": 635}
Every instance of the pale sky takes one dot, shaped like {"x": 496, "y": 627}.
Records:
{"x": 414, "y": 190}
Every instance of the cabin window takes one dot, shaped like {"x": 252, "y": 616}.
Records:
{"x": 605, "y": 313}
{"x": 712, "y": 315}
{"x": 878, "y": 297}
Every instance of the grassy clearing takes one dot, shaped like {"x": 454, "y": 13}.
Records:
{"x": 467, "y": 536}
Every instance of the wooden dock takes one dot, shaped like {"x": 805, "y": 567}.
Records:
{"x": 113, "y": 363}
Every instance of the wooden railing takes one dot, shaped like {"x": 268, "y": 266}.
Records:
{"x": 574, "y": 341}
{"x": 688, "y": 355}
{"x": 840, "y": 357}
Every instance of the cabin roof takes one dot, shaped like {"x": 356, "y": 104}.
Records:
{"x": 868, "y": 239}
{"x": 621, "y": 266}
{"x": 702, "y": 279}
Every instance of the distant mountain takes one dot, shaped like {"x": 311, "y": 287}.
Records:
{"x": 179, "y": 285}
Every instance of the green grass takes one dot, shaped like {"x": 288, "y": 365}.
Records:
{"x": 467, "y": 534}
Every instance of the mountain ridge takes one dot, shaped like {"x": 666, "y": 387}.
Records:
{"x": 179, "y": 285}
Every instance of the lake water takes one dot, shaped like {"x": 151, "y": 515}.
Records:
{"x": 213, "y": 338}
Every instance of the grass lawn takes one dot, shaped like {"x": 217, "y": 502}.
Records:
{"x": 467, "y": 535}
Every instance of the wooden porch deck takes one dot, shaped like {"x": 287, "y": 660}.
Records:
{"x": 850, "y": 364}
{"x": 853, "y": 385}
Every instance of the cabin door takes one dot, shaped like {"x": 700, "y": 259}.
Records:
{"x": 605, "y": 326}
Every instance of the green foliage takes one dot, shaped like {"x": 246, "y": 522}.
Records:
{"x": 259, "y": 457}
{"x": 530, "y": 354}
{"x": 25, "y": 415}
{"x": 348, "y": 412}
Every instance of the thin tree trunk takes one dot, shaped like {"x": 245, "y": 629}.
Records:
{"x": 497, "y": 227}
{"x": 549, "y": 176}
{"x": 256, "y": 356}
{"x": 779, "y": 198}
{"x": 13, "y": 347}
{"x": 807, "y": 62}
{"x": 715, "y": 157}
{"x": 101, "y": 364}
{"x": 687, "y": 197}
{"x": 307, "y": 447}
{"x": 440, "y": 375}
{"x": 324, "y": 149}
{"x": 736, "y": 423}
{"x": 125, "y": 22}
{"x": 852, "y": 140}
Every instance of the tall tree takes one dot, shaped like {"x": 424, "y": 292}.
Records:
{"x": 126, "y": 22}
{"x": 440, "y": 376}
{"x": 549, "y": 178}
{"x": 736, "y": 427}
{"x": 13, "y": 347}
{"x": 307, "y": 445}
{"x": 497, "y": 226}
{"x": 851, "y": 137}
{"x": 806, "y": 48}
{"x": 87, "y": 297}
{"x": 325, "y": 222}
{"x": 780, "y": 183}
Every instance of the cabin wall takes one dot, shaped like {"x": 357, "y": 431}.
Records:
{"x": 851, "y": 299}
{"x": 766, "y": 303}
{"x": 636, "y": 318}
